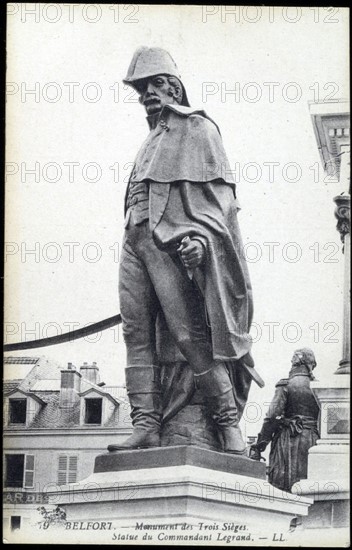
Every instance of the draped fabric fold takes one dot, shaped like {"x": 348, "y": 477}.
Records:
{"x": 209, "y": 210}
{"x": 289, "y": 449}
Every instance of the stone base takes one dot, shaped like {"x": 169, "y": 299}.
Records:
{"x": 328, "y": 462}
{"x": 185, "y": 455}
{"x": 180, "y": 491}
{"x": 328, "y": 514}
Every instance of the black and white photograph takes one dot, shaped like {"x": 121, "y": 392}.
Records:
{"x": 177, "y": 275}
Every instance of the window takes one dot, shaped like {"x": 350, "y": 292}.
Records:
{"x": 67, "y": 472}
{"x": 19, "y": 471}
{"x": 15, "y": 522}
{"x": 14, "y": 470}
{"x": 18, "y": 411}
{"x": 93, "y": 411}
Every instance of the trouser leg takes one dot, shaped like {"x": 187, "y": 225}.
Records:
{"x": 139, "y": 306}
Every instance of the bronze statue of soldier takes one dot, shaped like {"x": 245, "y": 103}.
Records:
{"x": 182, "y": 260}
{"x": 290, "y": 424}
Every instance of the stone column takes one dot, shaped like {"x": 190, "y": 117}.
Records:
{"x": 342, "y": 213}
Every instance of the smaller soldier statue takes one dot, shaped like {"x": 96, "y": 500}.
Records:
{"x": 290, "y": 424}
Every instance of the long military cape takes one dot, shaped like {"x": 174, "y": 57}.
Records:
{"x": 189, "y": 199}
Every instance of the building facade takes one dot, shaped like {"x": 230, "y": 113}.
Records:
{"x": 328, "y": 461}
{"x": 56, "y": 421}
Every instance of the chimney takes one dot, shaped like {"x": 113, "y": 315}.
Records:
{"x": 90, "y": 372}
{"x": 70, "y": 386}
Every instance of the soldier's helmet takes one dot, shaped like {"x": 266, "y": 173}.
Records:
{"x": 148, "y": 62}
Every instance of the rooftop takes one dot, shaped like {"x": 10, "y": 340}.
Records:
{"x": 43, "y": 381}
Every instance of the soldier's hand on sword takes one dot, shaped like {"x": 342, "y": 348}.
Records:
{"x": 192, "y": 252}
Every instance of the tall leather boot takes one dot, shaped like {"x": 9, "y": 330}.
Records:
{"x": 217, "y": 389}
{"x": 143, "y": 390}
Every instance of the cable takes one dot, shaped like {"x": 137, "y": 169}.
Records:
{"x": 67, "y": 336}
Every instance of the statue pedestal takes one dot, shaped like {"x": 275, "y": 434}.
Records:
{"x": 328, "y": 461}
{"x": 179, "y": 491}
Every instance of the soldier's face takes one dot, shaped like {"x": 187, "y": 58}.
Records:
{"x": 155, "y": 93}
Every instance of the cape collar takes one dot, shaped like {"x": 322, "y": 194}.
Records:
{"x": 180, "y": 110}
{"x": 153, "y": 120}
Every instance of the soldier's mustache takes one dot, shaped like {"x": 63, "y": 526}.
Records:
{"x": 151, "y": 99}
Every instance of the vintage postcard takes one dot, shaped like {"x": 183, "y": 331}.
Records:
{"x": 177, "y": 247}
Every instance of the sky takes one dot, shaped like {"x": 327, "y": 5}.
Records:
{"x": 73, "y": 131}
